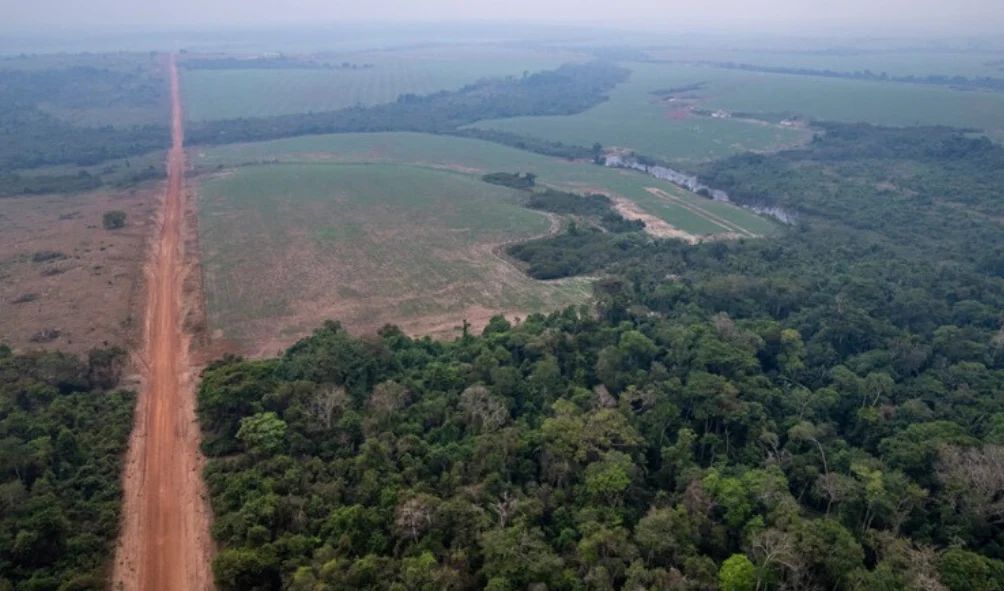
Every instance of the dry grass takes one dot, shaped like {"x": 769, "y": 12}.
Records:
{"x": 65, "y": 282}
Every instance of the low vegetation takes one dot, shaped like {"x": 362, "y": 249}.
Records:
{"x": 62, "y": 440}
{"x": 113, "y": 220}
{"x": 956, "y": 82}
{"x": 367, "y": 243}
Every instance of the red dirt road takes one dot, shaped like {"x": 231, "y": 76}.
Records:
{"x": 165, "y": 543}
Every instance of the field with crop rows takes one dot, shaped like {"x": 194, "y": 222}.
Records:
{"x": 635, "y": 118}
{"x": 228, "y": 94}
{"x": 894, "y": 63}
{"x": 476, "y": 157}
{"x": 287, "y": 246}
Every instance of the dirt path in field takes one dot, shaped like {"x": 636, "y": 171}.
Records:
{"x": 165, "y": 543}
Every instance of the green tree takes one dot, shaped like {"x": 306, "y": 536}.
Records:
{"x": 737, "y": 574}
{"x": 263, "y": 434}
{"x": 113, "y": 220}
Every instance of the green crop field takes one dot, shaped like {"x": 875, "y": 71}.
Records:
{"x": 286, "y": 246}
{"x": 474, "y": 157}
{"x": 882, "y": 103}
{"x": 894, "y": 63}
{"x": 635, "y": 118}
{"x": 227, "y": 94}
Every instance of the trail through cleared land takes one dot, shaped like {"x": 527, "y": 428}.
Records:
{"x": 165, "y": 543}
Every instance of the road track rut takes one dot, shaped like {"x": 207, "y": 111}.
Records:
{"x": 165, "y": 543}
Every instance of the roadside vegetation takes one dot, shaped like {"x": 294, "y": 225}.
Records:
{"x": 63, "y": 435}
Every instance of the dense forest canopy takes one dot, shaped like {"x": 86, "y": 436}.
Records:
{"x": 818, "y": 411}
{"x": 63, "y": 433}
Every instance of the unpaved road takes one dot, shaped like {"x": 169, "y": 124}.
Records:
{"x": 165, "y": 543}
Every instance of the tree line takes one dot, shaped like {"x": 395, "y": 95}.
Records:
{"x": 31, "y": 138}
{"x": 958, "y": 82}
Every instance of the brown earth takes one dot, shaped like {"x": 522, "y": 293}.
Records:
{"x": 165, "y": 543}
{"x": 654, "y": 225}
{"x": 90, "y": 290}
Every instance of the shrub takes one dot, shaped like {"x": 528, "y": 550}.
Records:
{"x": 113, "y": 220}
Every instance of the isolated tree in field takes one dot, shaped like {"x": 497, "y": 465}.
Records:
{"x": 113, "y": 220}
{"x": 598, "y": 153}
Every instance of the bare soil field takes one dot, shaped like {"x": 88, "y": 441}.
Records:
{"x": 66, "y": 282}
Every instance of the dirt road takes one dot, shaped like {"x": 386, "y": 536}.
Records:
{"x": 165, "y": 543}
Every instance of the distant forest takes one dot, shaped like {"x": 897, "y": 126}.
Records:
{"x": 31, "y": 138}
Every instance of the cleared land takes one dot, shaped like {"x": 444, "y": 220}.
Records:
{"x": 287, "y": 246}
{"x": 894, "y": 63}
{"x": 881, "y": 103}
{"x": 636, "y": 118}
{"x": 228, "y": 94}
{"x": 474, "y": 157}
{"x": 66, "y": 282}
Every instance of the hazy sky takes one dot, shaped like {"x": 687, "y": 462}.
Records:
{"x": 955, "y": 16}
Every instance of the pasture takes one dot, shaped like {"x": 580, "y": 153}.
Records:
{"x": 880, "y": 103}
{"x": 636, "y": 118}
{"x": 65, "y": 281}
{"x": 475, "y": 157}
{"x": 228, "y": 94}
{"x": 287, "y": 246}
{"x": 894, "y": 63}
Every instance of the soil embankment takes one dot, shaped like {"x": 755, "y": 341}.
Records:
{"x": 165, "y": 543}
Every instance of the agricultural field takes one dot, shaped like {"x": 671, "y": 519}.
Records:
{"x": 636, "y": 118}
{"x": 395, "y": 227}
{"x": 475, "y": 157}
{"x": 65, "y": 281}
{"x": 287, "y": 246}
{"x": 894, "y": 63}
{"x": 228, "y": 94}
{"x": 880, "y": 103}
